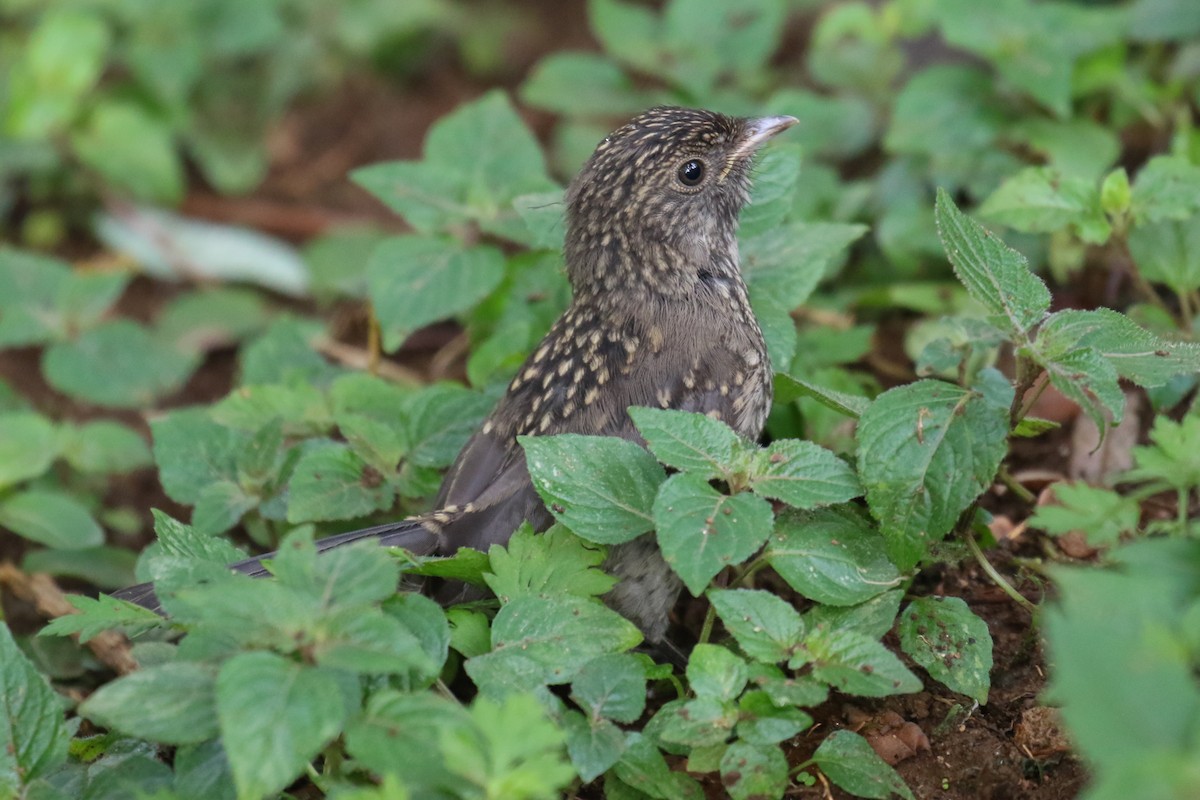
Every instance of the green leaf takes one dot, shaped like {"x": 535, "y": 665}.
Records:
{"x": 1101, "y": 515}
{"x": 104, "y": 447}
{"x": 1173, "y": 455}
{"x": 441, "y": 418}
{"x": 766, "y": 627}
{"x": 833, "y": 556}
{"x": 183, "y": 541}
{"x": 332, "y": 482}
{"x": 788, "y": 388}
{"x": 544, "y": 564}
{"x": 593, "y": 744}
{"x": 513, "y": 751}
{"x": 701, "y": 531}
{"x": 172, "y": 703}
{"x": 275, "y": 716}
{"x": 477, "y": 159}
{"x": 612, "y": 687}
{"x": 284, "y": 354}
{"x": 873, "y": 617}
{"x": 61, "y": 61}
{"x": 33, "y": 736}
{"x": 695, "y": 443}
{"x": 643, "y": 768}
{"x": 53, "y": 518}
{"x": 944, "y": 111}
{"x": 854, "y": 663}
{"x": 100, "y": 614}
{"x": 1116, "y": 635}
{"x": 118, "y": 364}
{"x": 954, "y": 646}
{"x": 600, "y": 487}
{"x": 1168, "y": 252}
{"x": 926, "y": 451}
{"x": 30, "y": 287}
{"x": 221, "y": 506}
{"x": 204, "y": 319}
{"x": 803, "y": 475}
{"x": 582, "y": 84}
{"x": 713, "y": 671}
{"x": 540, "y": 641}
{"x": 193, "y": 452}
{"x": 786, "y": 262}
{"x": 400, "y": 733}
{"x": 763, "y": 722}
{"x": 699, "y": 723}
{"x": 104, "y": 567}
{"x": 132, "y": 150}
{"x": 750, "y": 771}
{"x": 28, "y": 446}
{"x": 1083, "y": 375}
{"x": 1167, "y": 187}
{"x": 994, "y": 274}
{"x": 415, "y": 280}
{"x": 849, "y": 761}
{"x": 1041, "y": 200}
{"x": 368, "y": 642}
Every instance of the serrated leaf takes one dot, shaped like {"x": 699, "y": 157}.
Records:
{"x": 33, "y": 736}
{"x": 788, "y": 388}
{"x": 332, "y": 482}
{"x": 994, "y": 274}
{"x": 854, "y": 663}
{"x": 1167, "y": 187}
{"x": 765, "y": 626}
{"x": 714, "y": 671}
{"x": 581, "y": 84}
{"x": 100, "y": 614}
{"x": 803, "y": 475}
{"x": 695, "y": 443}
{"x": 415, "y": 280}
{"x": 611, "y": 686}
{"x": 118, "y": 364}
{"x": 926, "y": 451}
{"x": 477, "y": 159}
{"x": 643, "y": 768}
{"x": 954, "y": 646}
{"x": 698, "y": 723}
{"x": 275, "y": 716}
{"x": 1083, "y": 375}
{"x": 52, "y": 518}
{"x": 513, "y": 751}
{"x": 849, "y": 761}
{"x": 539, "y": 641}
{"x": 172, "y": 703}
{"x": 401, "y": 732}
{"x": 874, "y": 617}
{"x": 701, "y": 531}
{"x": 440, "y": 420}
{"x": 594, "y": 745}
{"x": 750, "y": 771}
{"x": 1168, "y": 252}
{"x": 1040, "y": 200}
{"x": 545, "y": 564}
{"x": 765, "y": 723}
{"x": 601, "y": 487}
{"x": 1101, "y": 515}
{"x": 833, "y": 556}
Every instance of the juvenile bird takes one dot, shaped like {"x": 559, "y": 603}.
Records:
{"x": 659, "y": 317}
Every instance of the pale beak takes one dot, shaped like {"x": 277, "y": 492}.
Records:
{"x": 758, "y": 131}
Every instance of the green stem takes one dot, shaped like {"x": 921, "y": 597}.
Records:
{"x": 996, "y": 577}
{"x": 709, "y": 618}
{"x": 1015, "y": 487}
{"x": 1181, "y": 514}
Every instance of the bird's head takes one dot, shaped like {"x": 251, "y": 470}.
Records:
{"x": 661, "y": 196}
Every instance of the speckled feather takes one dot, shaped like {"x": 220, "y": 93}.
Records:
{"x": 659, "y": 317}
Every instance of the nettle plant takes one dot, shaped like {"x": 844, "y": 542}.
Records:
{"x": 327, "y": 673}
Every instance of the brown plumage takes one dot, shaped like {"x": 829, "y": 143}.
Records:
{"x": 659, "y": 317}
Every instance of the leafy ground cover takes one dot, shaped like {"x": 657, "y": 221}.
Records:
{"x": 962, "y": 563}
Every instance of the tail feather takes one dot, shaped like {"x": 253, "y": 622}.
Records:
{"x": 409, "y": 534}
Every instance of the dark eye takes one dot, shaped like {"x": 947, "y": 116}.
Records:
{"x": 692, "y": 172}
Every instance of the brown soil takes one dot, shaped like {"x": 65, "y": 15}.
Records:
{"x": 1009, "y": 748}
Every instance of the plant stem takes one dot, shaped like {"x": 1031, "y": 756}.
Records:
{"x": 709, "y": 618}
{"x": 374, "y": 344}
{"x": 1015, "y": 486}
{"x": 996, "y": 577}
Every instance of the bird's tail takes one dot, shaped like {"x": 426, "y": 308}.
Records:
{"x": 409, "y": 534}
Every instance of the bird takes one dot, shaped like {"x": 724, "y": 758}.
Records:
{"x": 659, "y": 316}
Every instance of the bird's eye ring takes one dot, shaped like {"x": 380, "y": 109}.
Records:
{"x": 692, "y": 172}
